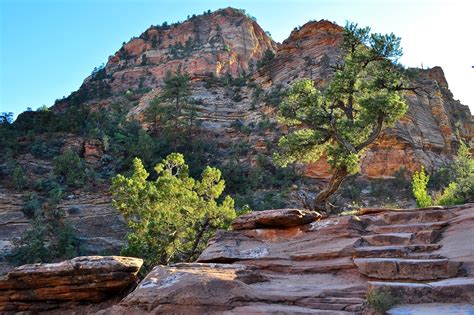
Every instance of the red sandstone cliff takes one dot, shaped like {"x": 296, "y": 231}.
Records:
{"x": 229, "y": 42}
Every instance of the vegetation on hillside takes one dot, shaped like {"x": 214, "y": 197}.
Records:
{"x": 459, "y": 176}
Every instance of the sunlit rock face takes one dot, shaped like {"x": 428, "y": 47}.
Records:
{"x": 228, "y": 42}
{"x": 289, "y": 261}
{"x": 82, "y": 280}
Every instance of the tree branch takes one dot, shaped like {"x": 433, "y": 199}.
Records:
{"x": 374, "y": 135}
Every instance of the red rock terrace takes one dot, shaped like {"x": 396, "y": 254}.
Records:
{"x": 318, "y": 267}
{"x": 285, "y": 261}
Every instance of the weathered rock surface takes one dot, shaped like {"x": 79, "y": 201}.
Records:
{"x": 91, "y": 279}
{"x": 318, "y": 267}
{"x": 12, "y": 224}
{"x": 274, "y": 218}
{"x": 432, "y": 308}
{"x": 227, "y": 41}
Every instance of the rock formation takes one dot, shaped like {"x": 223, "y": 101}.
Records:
{"x": 210, "y": 47}
{"x": 425, "y": 136}
{"x": 228, "y": 42}
{"x": 88, "y": 279}
{"x": 319, "y": 266}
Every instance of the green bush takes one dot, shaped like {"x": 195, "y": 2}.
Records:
{"x": 448, "y": 196}
{"x": 460, "y": 176}
{"x": 381, "y": 300}
{"x": 171, "y": 218}
{"x": 463, "y": 171}
{"x": 266, "y": 60}
{"x": 50, "y": 239}
{"x": 44, "y": 149}
{"x": 20, "y": 181}
{"x": 71, "y": 167}
{"x": 419, "y": 181}
{"x": 32, "y": 206}
{"x": 50, "y": 189}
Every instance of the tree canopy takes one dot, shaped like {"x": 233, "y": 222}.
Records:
{"x": 172, "y": 218}
{"x": 363, "y": 96}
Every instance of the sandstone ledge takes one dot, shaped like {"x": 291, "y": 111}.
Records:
{"x": 40, "y": 287}
{"x": 281, "y": 218}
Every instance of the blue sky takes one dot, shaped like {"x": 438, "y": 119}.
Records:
{"x": 47, "y": 47}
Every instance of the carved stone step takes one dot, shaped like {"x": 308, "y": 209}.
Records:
{"x": 407, "y": 228}
{"x": 388, "y": 239}
{"x": 396, "y": 250}
{"x": 413, "y": 216}
{"x": 407, "y": 269}
{"x": 432, "y": 308}
{"x": 333, "y": 303}
{"x": 262, "y": 308}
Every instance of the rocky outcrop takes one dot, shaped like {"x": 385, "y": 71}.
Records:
{"x": 13, "y": 223}
{"x": 88, "y": 279}
{"x": 185, "y": 289}
{"x": 97, "y": 225}
{"x": 275, "y": 219}
{"x": 100, "y": 229}
{"x": 425, "y": 136}
{"x": 318, "y": 266}
{"x": 228, "y": 42}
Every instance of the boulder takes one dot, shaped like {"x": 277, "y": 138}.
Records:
{"x": 91, "y": 279}
{"x": 281, "y": 218}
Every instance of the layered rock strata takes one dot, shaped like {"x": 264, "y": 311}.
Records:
{"x": 87, "y": 279}
{"x": 319, "y": 266}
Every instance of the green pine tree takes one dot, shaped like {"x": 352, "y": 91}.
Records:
{"x": 363, "y": 97}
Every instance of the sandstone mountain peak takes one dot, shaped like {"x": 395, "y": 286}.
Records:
{"x": 224, "y": 41}
{"x": 312, "y": 27}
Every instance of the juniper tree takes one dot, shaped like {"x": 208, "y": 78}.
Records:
{"x": 171, "y": 218}
{"x": 339, "y": 122}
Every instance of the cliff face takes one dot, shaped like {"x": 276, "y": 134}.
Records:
{"x": 227, "y": 42}
{"x": 426, "y": 135}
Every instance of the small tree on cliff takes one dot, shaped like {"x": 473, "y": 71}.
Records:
{"x": 363, "y": 97}
{"x": 172, "y": 218}
{"x": 173, "y": 110}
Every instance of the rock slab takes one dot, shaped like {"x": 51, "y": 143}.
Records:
{"x": 281, "y": 218}
{"x": 92, "y": 279}
{"x": 284, "y": 262}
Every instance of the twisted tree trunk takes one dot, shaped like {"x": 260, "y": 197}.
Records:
{"x": 321, "y": 200}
